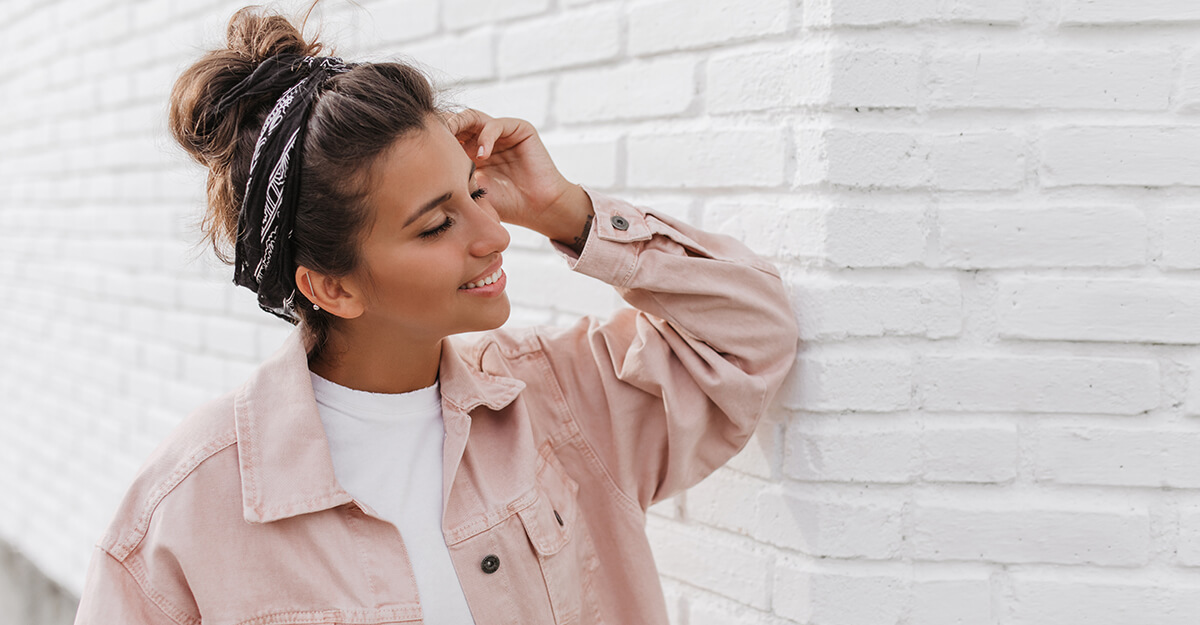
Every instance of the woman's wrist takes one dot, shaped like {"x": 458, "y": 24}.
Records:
{"x": 569, "y": 220}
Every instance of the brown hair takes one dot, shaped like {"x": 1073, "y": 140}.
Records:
{"x": 356, "y": 117}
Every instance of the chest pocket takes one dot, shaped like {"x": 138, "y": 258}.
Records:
{"x": 561, "y": 541}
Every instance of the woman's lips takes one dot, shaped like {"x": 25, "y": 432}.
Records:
{"x": 484, "y": 281}
{"x": 496, "y": 287}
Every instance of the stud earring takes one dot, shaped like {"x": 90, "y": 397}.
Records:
{"x": 311, "y": 291}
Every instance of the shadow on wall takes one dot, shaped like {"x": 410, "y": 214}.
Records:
{"x": 28, "y": 597}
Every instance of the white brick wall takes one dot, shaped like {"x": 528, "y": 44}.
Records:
{"x": 987, "y": 213}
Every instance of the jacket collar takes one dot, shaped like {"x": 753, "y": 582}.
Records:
{"x": 286, "y": 469}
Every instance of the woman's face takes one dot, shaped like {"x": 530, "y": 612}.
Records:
{"x": 434, "y": 234}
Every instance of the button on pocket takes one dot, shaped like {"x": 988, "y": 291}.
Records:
{"x": 490, "y": 564}
{"x": 560, "y": 540}
{"x": 620, "y": 223}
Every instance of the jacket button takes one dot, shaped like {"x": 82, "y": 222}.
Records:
{"x": 490, "y": 564}
{"x": 620, "y": 223}
{"x": 558, "y": 518}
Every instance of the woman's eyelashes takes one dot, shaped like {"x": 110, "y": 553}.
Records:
{"x": 445, "y": 225}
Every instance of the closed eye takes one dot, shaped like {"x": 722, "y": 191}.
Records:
{"x": 480, "y": 192}
{"x": 430, "y": 234}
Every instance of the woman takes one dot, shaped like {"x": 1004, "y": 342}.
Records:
{"x": 372, "y": 471}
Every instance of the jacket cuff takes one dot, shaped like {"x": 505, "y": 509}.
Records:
{"x": 607, "y": 255}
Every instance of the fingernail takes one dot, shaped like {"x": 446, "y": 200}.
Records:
{"x": 480, "y": 154}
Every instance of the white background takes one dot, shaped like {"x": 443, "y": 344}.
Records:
{"x": 986, "y": 212}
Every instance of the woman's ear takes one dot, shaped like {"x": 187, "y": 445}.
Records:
{"x": 329, "y": 293}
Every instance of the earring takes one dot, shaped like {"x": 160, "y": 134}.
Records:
{"x": 311, "y": 291}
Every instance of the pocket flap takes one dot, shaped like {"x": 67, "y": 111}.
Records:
{"x": 549, "y": 520}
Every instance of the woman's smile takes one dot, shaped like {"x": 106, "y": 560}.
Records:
{"x": 489, "y": 285}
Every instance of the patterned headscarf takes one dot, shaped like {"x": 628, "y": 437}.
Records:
{"x": 263, "y": 254}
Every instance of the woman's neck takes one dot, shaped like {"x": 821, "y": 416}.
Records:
{"x": 378, "y": 365}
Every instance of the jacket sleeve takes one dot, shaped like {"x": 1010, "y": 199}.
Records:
{"x": 669, "y": 391}
{"x": 112, "y": 595}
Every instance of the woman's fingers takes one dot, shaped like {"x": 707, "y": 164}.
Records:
{"x": 487, "y": 137}
{"x": 465, "y": 124}
{"x": 479, "y": 133}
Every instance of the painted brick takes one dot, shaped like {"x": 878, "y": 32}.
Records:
{"x": 466, "y": 13}
{"x": 702, "y": 558}
{"x": 1140, "y": 311}
{"x": 710, "y": 610}
{"x": 876, "y": 159}
{"x": 775, "y": 227}
{"x": 544, "y": 281}
{"x": 875, "y": 77}
{"x": 664, "y": 25}
{"x": 573, "y": 38}
{"x": 881, "y": 12}
{"x": 591, "y": 160}
{"x": 969, "y": 453}
{"x": 1115, "y": 11}
{"x": 719, "y": 157}
{"x": 978, "y": 161}
{"x": 830, "y": 449}
{"x": 1041, "y": 599}
{"x": 656, "y": 88}
{"x": 865, "y": 236}
{"x": 861, "y": 525}
{"x": 524, "y": 99}
{"x": 951, "y": 600}
{"x": 1118, "y": 457}
{"x": 834, "y": 383}
{"x": 1189, "y": 82}
{"x": 403, "y": 20}
{"x": 467, "y": 57}
{"x": 835, "y": 309}
{"x": 1152, "y": 156}
{"x": 726, "y": 500}
{"x": 761, "y": 457}
{"x": 846, "y": 598}
{"x": 825, "y": 134}
{"x": 1181, "y": 238}
{"x": 979, "y": 237}
{"x": 1077, "y": 79}
{"x": 232, "y": 338}
{"x": 1191, "y": 400}
{"x": 1187, "y": 551}
{"x": 767, "y": 79}
{"x": 868, "y": 12}
{"x": 1008, "y": 531}
{"x": 1048, "y": 384}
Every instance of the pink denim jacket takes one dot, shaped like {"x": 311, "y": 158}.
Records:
{"x": 557, "y": 440}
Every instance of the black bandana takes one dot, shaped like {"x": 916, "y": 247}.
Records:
{"x": 263, "y": 256}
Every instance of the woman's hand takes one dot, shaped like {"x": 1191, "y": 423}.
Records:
{"x": 523, "y": 185}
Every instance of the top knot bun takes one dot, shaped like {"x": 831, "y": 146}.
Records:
{"x": 214, "y": 139}
{"x": 257, "y": 36}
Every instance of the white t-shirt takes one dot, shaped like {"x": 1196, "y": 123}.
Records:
{"x": 387, "y": 453}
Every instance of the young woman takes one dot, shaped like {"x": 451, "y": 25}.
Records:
{"x": 373, "y": 471}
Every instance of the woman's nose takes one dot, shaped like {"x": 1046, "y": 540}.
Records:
{"x": 489, "y": 236}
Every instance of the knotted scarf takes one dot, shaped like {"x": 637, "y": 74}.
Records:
{"x": 263, "y": 254}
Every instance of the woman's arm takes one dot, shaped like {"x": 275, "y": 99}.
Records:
{"x": 665, "y": 393}
{"x": 669, "y": 391}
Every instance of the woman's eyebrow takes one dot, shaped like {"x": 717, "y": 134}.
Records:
{"x": 437, "y": 201}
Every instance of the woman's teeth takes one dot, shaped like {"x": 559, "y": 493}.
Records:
{"x": 486, "y": 281}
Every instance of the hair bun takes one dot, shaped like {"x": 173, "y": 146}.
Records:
{"x": 259, "y": 36}
{"x": 218, "y": 139}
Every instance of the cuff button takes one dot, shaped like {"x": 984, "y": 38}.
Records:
{"x": 620, "y": 223}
